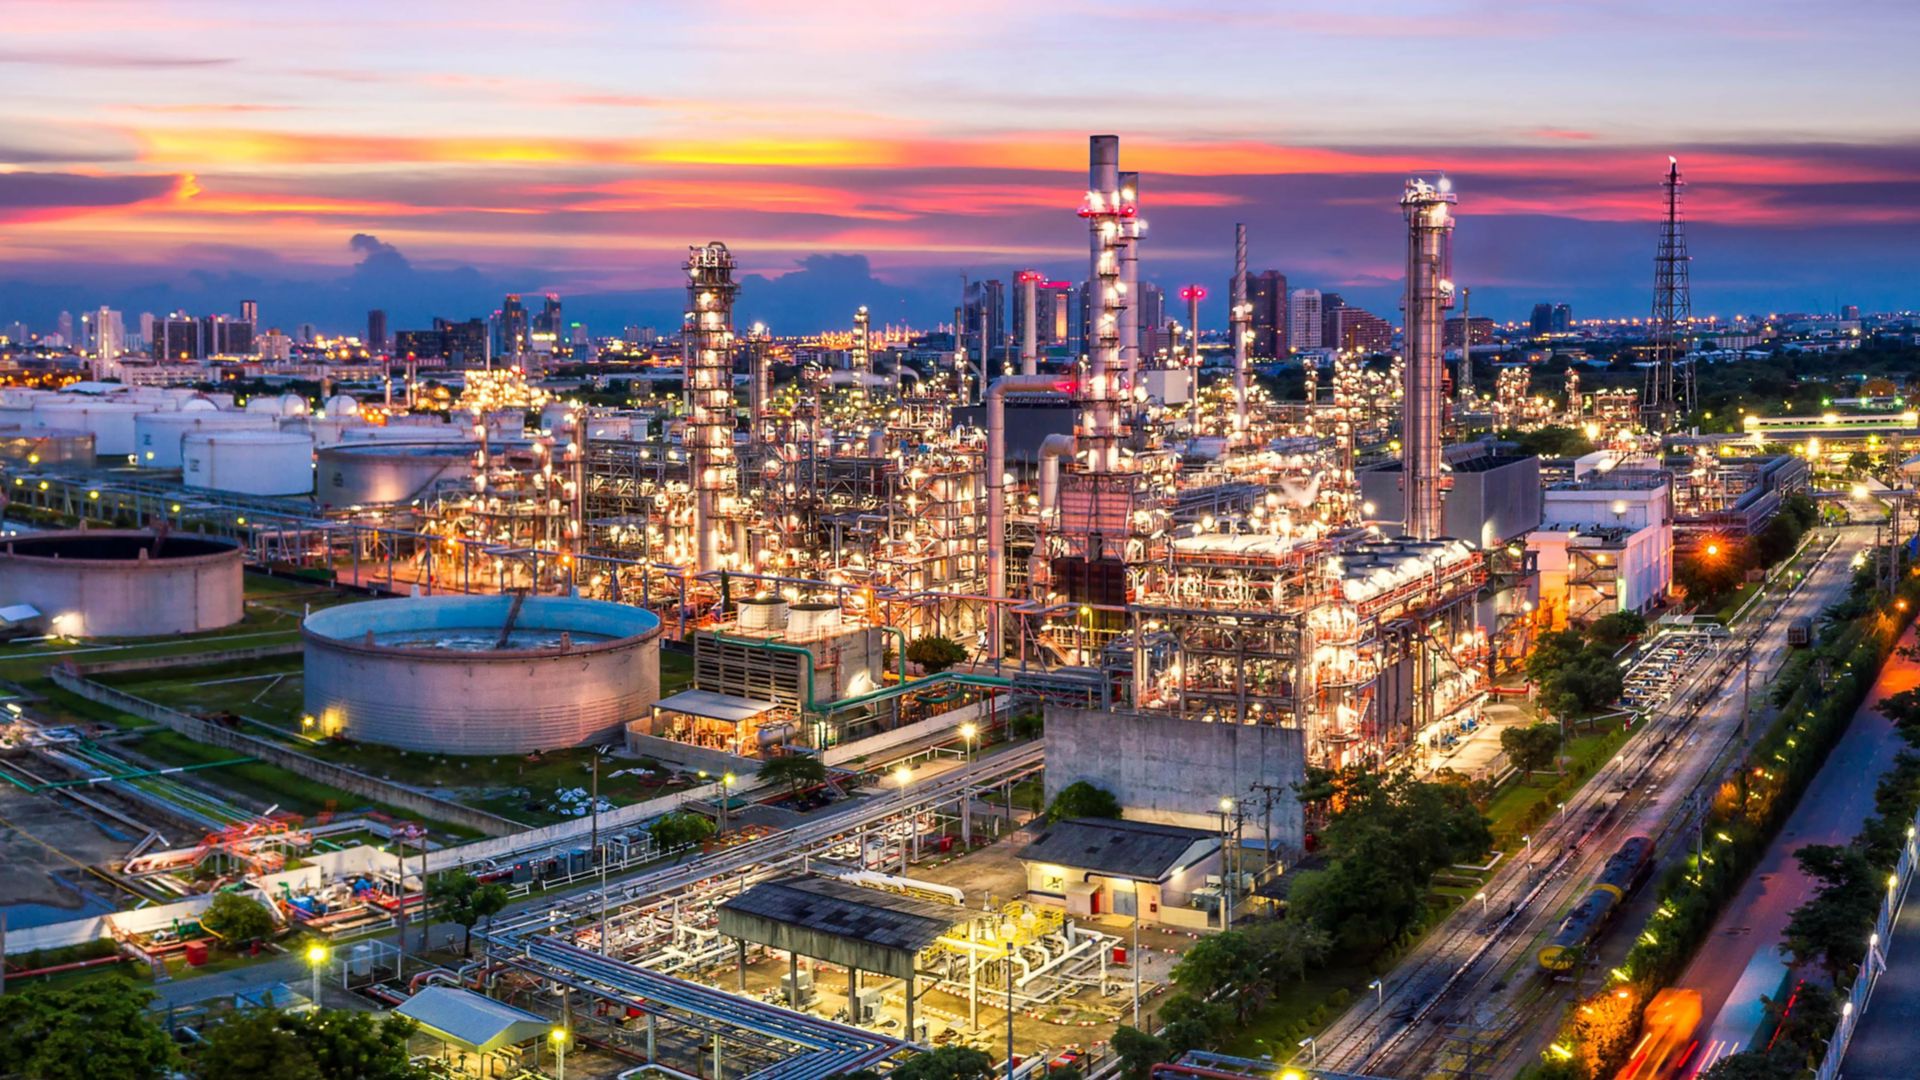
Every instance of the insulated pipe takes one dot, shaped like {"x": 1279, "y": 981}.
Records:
{"x": 1241, "y": 319}
{"x": 997, "y": 488}
{"x": 1130, "y": 284}
{"x": 1053, "y": 449}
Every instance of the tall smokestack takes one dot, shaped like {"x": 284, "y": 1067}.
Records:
{"x": 1429, "y": 214}
{"x": 1029, "y": 281}
{"x": 1240, "y": 321}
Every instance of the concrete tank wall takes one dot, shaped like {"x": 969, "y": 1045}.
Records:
{"x": 373, "y": 474}
{"x": 496, "y": 702}
{"x": 97, "y": 584}
{"x": 1176, "y": 771}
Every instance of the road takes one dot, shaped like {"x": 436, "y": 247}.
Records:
{"x": 1741, "y": 961}
{"x": 1473, "y": 979}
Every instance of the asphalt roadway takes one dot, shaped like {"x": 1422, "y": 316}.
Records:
{"x": 1741, "y": 961}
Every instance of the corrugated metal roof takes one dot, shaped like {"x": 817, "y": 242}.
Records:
{"x": 831, "y": 906}
{"x": 1113, "y": 847}
{"x": 467, "y": 1019}
{"x": 712, "y": 706}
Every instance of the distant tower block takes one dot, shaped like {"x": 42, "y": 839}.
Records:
{"x": 709, "y": 434}
{"x": 1670, "y": 379}
{"x": 1429, "y": 214}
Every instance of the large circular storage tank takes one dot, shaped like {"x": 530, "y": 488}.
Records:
{"x": 408, "y": 433}
{"x": 369, "y": 474}
{"x": 424, "y": 673}
{"x": 158, "y": 436}
{"x": 114, "y": 583}
{"x": 248, "y": 462}
{"x": 110, "y": 422}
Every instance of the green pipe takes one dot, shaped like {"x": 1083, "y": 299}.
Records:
{"x": 900, "y": 654}
{"x": 781, "y": 647}
{"x": 140, "y": 774}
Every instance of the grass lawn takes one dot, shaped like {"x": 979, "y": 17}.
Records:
{"x": 1521, "y": 803}
{"x": 1275, "y": 1030}
{"x": 676, "y": 671}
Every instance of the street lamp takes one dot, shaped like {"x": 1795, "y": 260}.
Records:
{"x": 317, "y": 960}
{"x": 726, "y": 796}
{"x": 1379, "y": 990}
{"x": 1313, "y": 1052}
{"x": 1226, "y": 866}
{"x": 558, "y": 1036}
{"x": 904, "y": 776}
{"x": 967, "y": 732}
{"x": 1482, "y": 897}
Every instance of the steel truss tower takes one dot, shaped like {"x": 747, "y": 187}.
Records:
{"x": 1670, "y": 380}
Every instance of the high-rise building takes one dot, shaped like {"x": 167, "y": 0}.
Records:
{"x": 250, "y": 313}
{"x": 177, "y": 337}
{"x": 549, "y": 321}
{"x": 1541, "y": 321}
{"x": 64, "y": 327}
{"x": 1303, "y": 319}
{"x": 511, "y": 322}
{"x": 1353, "y": 329}
{"x": 108, "y": 335}
{"x": 1331, "y": 304}
{"x": 224, "y": 336}
{"x": 1482, "y": 331}
{"x": 1849, "y": 312}
{"x": 1267, "y": 296}
{"x": 376, "y": 331}
{"x": 1153, "y": 320}
{"x": 306, "y": 333}
{"x": 987, "y": 297}
{"x": 1562, "y": 318}
{"x": 463, "y": 342}
{"x": 1053, "y": 321}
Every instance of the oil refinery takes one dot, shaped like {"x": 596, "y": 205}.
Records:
{"x": 866, "y": 613}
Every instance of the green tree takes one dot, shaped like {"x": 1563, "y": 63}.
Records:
{"x": 1226, "y": 965}
{"x": 679, "y": 830}
{"x": 947, "y": 1063}
{"x": 1750, "y": 1065}
{"x": 1531, "y": 748}
{"x": 1189, "y": 1023}
{"x": 236, "y": 919}
{"x": 1830, "y": 929}
{"x": 1550, "y": 441}
{"x": 1083, "y": 800}
{"x": 95, "y": 1029}
{"x": 1139, "y": 1052}
{"x": 326, "y": 1044}
{"x": 935, "y": 653}
{"x": 1291, "y": 947}
{"x": 796, "y": 772}
{"x": 1616, "y": 629}
{"x": 461, "y": 899}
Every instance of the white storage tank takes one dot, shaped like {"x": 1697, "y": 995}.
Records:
{"x": 763, "y": 614}
{"x": 158, "y": 436}
{"x": 116, "y": 583}
{"x": 109, "y": 422}
{"x": 373, "y": 474}
{"x": 408, "y": 433}
{"x": 248, "y": 462}
{"x": 426, "y": 673}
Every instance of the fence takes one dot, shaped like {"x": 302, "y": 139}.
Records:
{"x": 340, "y": 776}
{"x": 1856, "y": 1003}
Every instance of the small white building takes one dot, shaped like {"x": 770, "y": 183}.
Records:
{"x": 1103, "y": 866}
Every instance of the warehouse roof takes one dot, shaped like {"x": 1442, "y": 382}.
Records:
{"x": 712, "y": 706}
{"x": 1114, "y": 847}
{"x": 467, "y": 1019}
{"x": 829, "y": 919}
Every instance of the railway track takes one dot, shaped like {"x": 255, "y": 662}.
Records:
{"x": 1472, "y": 988}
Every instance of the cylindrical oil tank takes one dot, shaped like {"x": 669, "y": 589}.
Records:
{"x": 248, "y": 462}
{"x": 45, "y": 450}
{"x": 812, "y": 619}
{"x": 116, "y": 583}
{"x": 110, "y": 422}
{"x": 158, "y": 436}
{"x": 764, "y": 614}
{"x": 328, "y": 430}
{"x": 408, "y": 433}
{"x": 371, "y": 474}
{"x": 426, "y": 673}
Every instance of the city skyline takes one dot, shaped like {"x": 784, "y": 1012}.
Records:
{"x": 428, "y": 162}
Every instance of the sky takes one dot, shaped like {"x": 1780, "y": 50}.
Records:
{"x": 425, "y": 157}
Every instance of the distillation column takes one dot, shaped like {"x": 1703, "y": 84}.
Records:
{"x": 1193, "y": 294}
{"x": 859, "y": 358}
{"x": 1240, "y": 328}
{"x": 1107, "y": 213}
{"x": 709, "y": 376}
{"x": 1129, "y": 286}
{"x": 1429, "y": 214}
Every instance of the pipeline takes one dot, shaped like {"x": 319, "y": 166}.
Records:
{"x": 997, "y": 490}
{"x": 1053, "y": 449}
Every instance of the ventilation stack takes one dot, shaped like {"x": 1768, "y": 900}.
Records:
{"x": 1429, "y": 214}
{"x": 1029, "y": 301}
{"x": 1240, "y": 328}
{"x": 709, "y": 376}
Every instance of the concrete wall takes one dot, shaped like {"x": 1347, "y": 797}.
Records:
{"x": 326, "y": 772}
{"x": 1176, "y": 771}
{"x": 1487, "y": 504}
